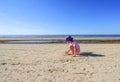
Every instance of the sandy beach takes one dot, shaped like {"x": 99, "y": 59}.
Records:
{"x": 47, "y": 63}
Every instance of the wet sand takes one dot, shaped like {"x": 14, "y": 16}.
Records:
{"x": 47, "y": 63}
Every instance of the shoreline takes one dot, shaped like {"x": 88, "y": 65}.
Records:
{"x": 22, "y": 40}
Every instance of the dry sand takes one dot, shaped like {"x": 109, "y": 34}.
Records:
{"x": 47, "y": 63}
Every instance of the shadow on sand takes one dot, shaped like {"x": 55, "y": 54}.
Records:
{"x": 91, "y": 54}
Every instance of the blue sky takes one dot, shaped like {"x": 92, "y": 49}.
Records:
{"x": 59, "y": 17}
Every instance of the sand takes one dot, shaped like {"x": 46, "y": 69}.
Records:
{"x": 47, "y": 63}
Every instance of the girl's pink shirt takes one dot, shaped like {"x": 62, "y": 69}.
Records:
{"x": 76, "y": 45}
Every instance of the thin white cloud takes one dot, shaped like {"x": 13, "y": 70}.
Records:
{"x": 2, "y": 15}
{"x": 20, "y": 23}
{"x": 27, "y": 28}
{"x": 7, "y": 18}
{"x": 11, "y": 20}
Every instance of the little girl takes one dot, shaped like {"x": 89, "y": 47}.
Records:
{"x": 74, "y": 48}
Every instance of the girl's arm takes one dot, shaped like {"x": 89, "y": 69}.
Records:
{"x": 67, "y": 51}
